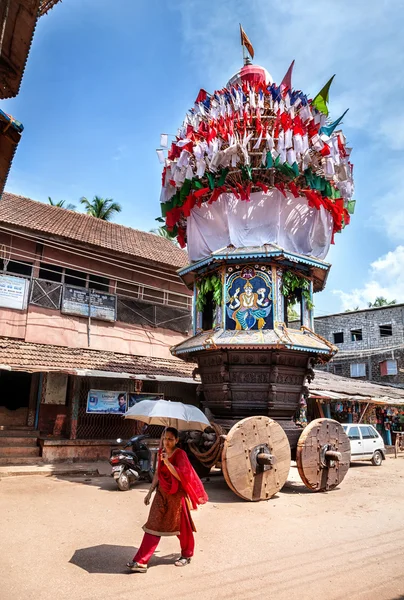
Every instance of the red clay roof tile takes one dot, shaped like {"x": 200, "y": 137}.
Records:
{"x": 69, "y": 225}
{"x": 21, "y": 355}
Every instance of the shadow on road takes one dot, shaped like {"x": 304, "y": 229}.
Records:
{"x": 107, "y": 558}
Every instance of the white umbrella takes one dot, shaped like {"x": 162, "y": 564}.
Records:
{"x": 168, "y": 414}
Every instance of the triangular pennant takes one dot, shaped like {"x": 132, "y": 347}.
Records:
{"x": 246, "y": 42}
{"x": 287, "y": 80}
{"x": 320, "y": 101}
{"x": 328, "y": 129}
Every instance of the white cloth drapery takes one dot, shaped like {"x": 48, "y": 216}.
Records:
{"x": 267, "y": 218}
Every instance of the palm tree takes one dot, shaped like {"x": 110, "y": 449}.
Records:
{"x": 380, "y": 301}
{"x": 162, "y": 232}
{"x": 61, "y": 204}
{"x": 101, "y": 208}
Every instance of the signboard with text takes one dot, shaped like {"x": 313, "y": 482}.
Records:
{"x": 83, "y": 302}
{"x": 13, "y": 292}
{"x": 103, "y": 402}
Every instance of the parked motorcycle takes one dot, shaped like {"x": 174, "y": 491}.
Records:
{"x": 129, "y": 466}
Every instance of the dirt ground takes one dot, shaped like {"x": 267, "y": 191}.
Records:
{"x": 70, "y": 538}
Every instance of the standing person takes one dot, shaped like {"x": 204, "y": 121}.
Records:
{"x": 178, "y": 488}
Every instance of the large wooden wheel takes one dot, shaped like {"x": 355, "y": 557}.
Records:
{"x": 323, "y": 455}
{"x": 256, "y": 458}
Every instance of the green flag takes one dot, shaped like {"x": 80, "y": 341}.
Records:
{"x": 320, "y": 101}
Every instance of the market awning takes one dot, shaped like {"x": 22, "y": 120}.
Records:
{"x": 329, "y": 387}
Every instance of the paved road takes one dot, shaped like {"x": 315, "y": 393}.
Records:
{"x": 69, "y": 539}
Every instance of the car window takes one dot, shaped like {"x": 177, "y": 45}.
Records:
{"x": 353, "y": 433}
{"x": 366, "y": 434}
{"x": 373, "y": 432}
{"x": 345, "y": 427}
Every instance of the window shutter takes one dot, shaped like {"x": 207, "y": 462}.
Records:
{"x": 383, "y": 368}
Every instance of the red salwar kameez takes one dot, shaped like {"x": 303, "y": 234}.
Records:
{"x": 170, "y": 509}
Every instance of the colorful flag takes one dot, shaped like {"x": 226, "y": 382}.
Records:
{"x": 320, "y": 101}
{"x": 246, "y": 42}
{"x": 160, "y": 156}
{"x": 287, "y": 80}
{"x": 328, "y": 129}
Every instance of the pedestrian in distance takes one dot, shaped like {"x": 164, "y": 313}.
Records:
{"x": 178, "y": 489}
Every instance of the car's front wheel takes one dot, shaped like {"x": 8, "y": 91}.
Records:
{"x": 377, "y": 458}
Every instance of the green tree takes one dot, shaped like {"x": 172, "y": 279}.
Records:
{"x": 61, "y": 204}
{"x": 101, "y": 208}
{"x": 293, "y": 315}
{"x": 352, "y": 309}
{"x": 162, "y": 232}
{"x": 380, "y": 301}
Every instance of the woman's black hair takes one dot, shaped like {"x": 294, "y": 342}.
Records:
{"x": 173, "y": 430}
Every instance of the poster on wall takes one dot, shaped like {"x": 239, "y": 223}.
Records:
{"x": 138, "y": 397}
{"x": 104, "y": 402}
{"x": 13, "y": 292}
{"x": 249, "y": 299}
{"x": 77, "y": 301}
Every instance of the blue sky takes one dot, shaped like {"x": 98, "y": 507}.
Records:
{"x": 104, "y": 79}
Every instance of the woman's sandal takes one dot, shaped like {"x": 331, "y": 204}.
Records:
{"x": 136, "y": 568}
{"x": 182, "y": 561}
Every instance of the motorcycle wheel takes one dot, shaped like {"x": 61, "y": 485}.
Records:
{"x": 123, "y": 482}
{"x": 150, "y": 475}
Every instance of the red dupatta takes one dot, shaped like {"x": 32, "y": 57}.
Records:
{"x": 189, "y": 480}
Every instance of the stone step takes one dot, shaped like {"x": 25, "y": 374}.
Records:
{"x": 48, "y": 470}
{"x": 20, "y": 460}
{"x": 20, "y": 451}
{"x": 17, "y": 441}
{"x": 18, "y": 432}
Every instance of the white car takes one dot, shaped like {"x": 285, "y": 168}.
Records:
{"x": 366, "y": 443}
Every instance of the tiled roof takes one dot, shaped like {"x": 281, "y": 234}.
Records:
{"x": 24, "y": 356}
{"x": 74, "y": 226}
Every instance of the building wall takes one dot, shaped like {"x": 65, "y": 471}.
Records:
{"x": 373, "y": 349}
{"x": 42, "y": 325}
{"x": 369, "y": 322}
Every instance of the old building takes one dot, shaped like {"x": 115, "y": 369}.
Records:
{"x": 85, "y": 306}
{"x": 370, "y": 343}
{"x": 18, "y": 20}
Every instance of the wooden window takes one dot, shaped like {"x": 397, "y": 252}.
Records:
{"x": 73, "y": 277}
{"x": 358, "y": 370}
{"x": 98, "y": 283}
{"x": 356, "y": 335}
{"x": 338, "y": 369}
{"x": 388, "y": 367}
{"x": 50, "y": 272}
{"x": 17, "y": 267}
{"x": 338, "y": 337}
{"x": 386, "y": 330}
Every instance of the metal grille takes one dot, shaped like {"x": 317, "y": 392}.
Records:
{"x": 105, "y": 427}
{"x": 137, "y": 312}
{"x": 46, "y": 293}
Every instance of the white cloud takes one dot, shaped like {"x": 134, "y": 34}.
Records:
{"x": 386, "y": 278}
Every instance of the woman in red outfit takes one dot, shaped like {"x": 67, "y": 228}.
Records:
{"x": 178, "y": 488}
